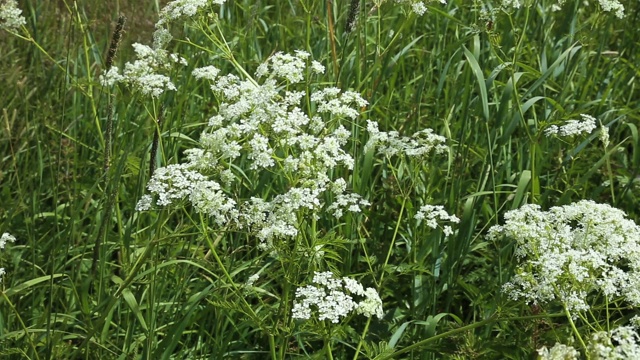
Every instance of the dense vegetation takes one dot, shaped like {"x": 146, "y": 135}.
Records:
{"x": 324, "y": 179}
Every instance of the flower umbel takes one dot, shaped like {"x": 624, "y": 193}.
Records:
{"x": 332, "y": 299}
{"x": 260, "y": 129}
{"x": 572, "y": 254}
{"x": 6, "y": 237}
{"x": 10, "y": 16}
{"x": 573, "y": 127}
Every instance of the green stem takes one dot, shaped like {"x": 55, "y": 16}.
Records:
{"x": 24, "y": 327}
{"x": 575, "y": 330}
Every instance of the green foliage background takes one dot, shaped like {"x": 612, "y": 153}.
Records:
{"x": 489, "y": 84}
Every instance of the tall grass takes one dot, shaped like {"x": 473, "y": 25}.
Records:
{"x": 91, "y": 277}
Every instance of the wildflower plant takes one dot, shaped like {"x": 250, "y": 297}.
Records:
{"x": 6, "y": 237}
{"x": 11, "y": 18}
{"x": 584, "y": 256}
{"x": 320, "y": 193}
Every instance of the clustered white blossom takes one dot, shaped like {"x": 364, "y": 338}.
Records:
{"x": 6, "y": 237}
{"x": 430, "y": 214}
{"x": 419, "y": 6}
{"x": 183, "y": 8}
{"x": 559, "y": 352}
{"x": 144, "y": 74}
{"x": 332, "y": 299}
{"x": 573, "y": 127}
{"x": 420, "y": 144}
{"x": 147, "y": 74}
{"x": 10, "y": 16}
{"x": 263, "y": 126}
{"x": 572, "y": 254}
{"x": 613, "y": 6}
{"x": 620, "y": 343}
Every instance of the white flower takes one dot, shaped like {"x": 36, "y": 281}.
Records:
{"x": 613, "y": 6}
{"x": 573, "y": 127}
{"x": 348, "y": 202}
{"x": 144, "y": 203}
{"x": 252, "y": 279}
{"x": 559, "y": 352}
{"x": 332, "y": 299}
{"x": 111, "y": 77}
{"x": 285, "y": 66}
{"x": 317, "y": 67}
{"x": 207, "y": 72}
{"x": 10, "y": 16}
{"x": 6, "y": 237}
{"x": 625, "y": 338}
{"x": 332, "y": 101}
{"x": 573, "y": 253}
{"x": 182, "y": 8}
{"x": 263, "y": 126}
{"x": 420, "y": 144}
{"x": 431, "y": 214}
{"x": 604, "y": 135}
{"x": 418, "y": 6}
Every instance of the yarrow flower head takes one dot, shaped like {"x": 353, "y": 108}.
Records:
{"x": 573, "y": 127}
{"x": 419, "y": 145}
{"x": 613, "y": 6}
{"x": 263, "y": 125}
{"x": 10, "y": 16}
{"x": 431, "y": 214}
{"x": 559, "y": 352}
{"x": 621, "y": 343}
{"x": 6, "y": 237}
{"x": 147, "y": 73}
{"x": 572, "y": 254}
{"x": 418, "y": 6}
{"x": 332, "y": 299}
{"x": 182, "y": 8}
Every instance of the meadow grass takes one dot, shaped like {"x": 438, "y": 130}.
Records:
{"x": 92, "y": 277}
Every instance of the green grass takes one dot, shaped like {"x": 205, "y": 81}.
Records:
{"x": 165, "y": 283}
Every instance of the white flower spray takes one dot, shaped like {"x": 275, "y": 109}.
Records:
{"x": 264, "y": 126}
{"x": 332, "y": 299}
{"x": 583, "y": 256}
{"x": 6, "y": 237}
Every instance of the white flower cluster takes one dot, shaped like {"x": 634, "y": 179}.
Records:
{"x": 613, "y": 6}
{"x": 620, "y": 344}
{"x": 263, "y": 127}
{"x": 288, "y": 67}
{"x": 6, "y": 237}
{"x": 573, "y": 127}
{"x": 559, "y": 352}
{"x": 431, "y": 214}
{"x": 420, "y": 145}
{"x": 182, "y": 8}
{"x": 146, "y": 74}
{"x": 418, "y": 6}
{"x": 571, "y": 252}
{"x": 331, "y": 299}
{"x": 11, "y": 18}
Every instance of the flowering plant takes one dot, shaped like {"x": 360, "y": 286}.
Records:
{"x": 584, "y": 256}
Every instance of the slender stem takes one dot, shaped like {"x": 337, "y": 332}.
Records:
{"x": 272, "y": 347}
{"x": 575, "y": 330}
{"x": 24, "y": 327}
